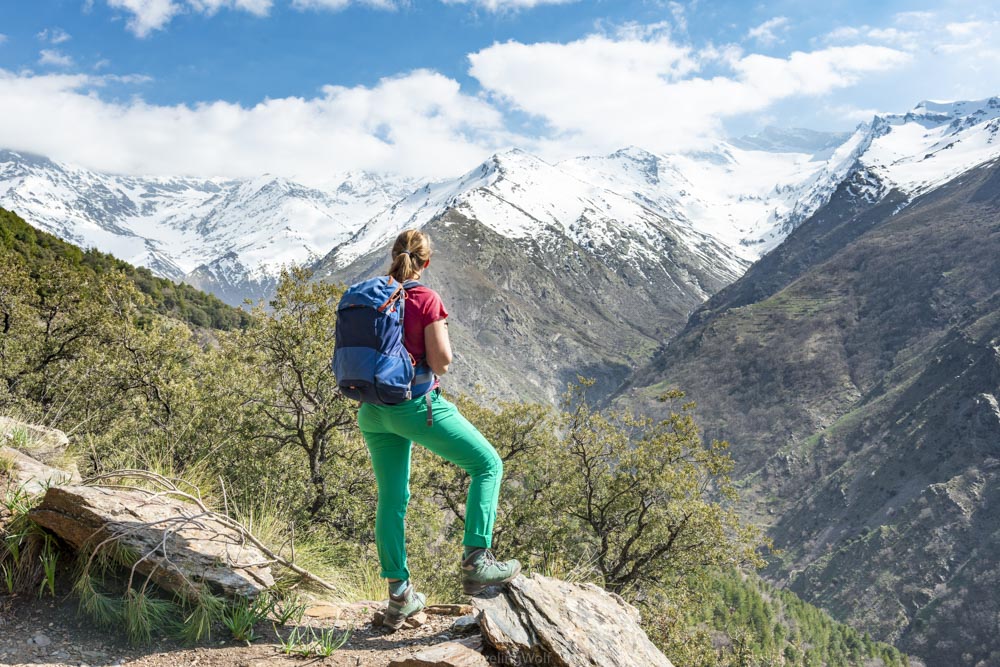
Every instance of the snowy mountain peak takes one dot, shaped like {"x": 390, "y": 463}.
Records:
{"x": 951, "y": 110}
{"x": 932, "y": 143}
{"x": 732, "y": 202}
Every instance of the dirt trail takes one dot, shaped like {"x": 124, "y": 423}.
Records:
{"x": 51, "y": 632}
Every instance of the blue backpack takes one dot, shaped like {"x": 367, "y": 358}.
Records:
{"x": 369, "y": 360}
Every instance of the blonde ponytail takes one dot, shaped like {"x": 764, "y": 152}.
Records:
{"x": 410, "y": 253}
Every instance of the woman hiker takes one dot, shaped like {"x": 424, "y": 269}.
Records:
{"x": 389, "y": 430}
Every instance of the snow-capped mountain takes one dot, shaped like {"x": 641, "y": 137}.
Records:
{"x": 931, "y": 144}
{"x": 233, "y": 232}
{"x": 729, "y": 204}
{"x": 520, "y": 196}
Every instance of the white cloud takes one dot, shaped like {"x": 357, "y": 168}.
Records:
{"x": 507, "y": 5}
{"x": 417, "y": 124}
{"x": 150, "y": 15}
{"x": 53, "y": 35}
{"x": 905, "y": 39}
{"x": 147, "y": 15}
{"x": 600, "y": 93}
{"x": 3, "y": 38}
{"x": 766, "y": 33}
{"x": 965, "y": 28}
{"x": 337, "y": 5}
{"x": 54, "y": 58}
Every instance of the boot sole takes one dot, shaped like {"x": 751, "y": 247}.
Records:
{"x": 394, "y": 622}
{"x": 475, "y": 588}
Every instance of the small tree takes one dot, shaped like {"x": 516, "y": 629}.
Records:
{"x": 292, "y": 395}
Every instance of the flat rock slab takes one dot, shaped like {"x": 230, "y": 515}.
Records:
{"x": 33, "y": 476}
{"x": 461, "y": 653}
{"x": 183, "y": 545}
{"x": 449, "y": 609}
{"x": 560, "y": 623}
{"x": 42, "y": 441}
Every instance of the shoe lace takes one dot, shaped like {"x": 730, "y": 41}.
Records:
{"x": 489, "y": 559}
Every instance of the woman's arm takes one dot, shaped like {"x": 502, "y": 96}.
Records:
{"x": 437, "y": 346}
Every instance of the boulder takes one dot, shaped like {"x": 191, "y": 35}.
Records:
{"x": 34, "y": 476}
{"x": 44, "y": 443}
{"x": 541, "y": 620}
{"x": 460, "y": 653}
{"x": 184, "y": 544}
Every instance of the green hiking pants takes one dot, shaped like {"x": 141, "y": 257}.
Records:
{"x": 389, "y": 431}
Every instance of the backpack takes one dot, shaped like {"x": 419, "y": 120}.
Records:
{"x": 369, "y": 360}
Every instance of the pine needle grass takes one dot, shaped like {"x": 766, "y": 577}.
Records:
{"x": 200, "y": 615}
{"x": 106, "y": 610}
{"x": 145, "y": 615}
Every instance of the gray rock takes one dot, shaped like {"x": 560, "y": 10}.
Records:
{"x": 465, "y": 624}
{"x": 200, "y": 549}
{"x": 33, "y": 475}
{"x": 40, "y": 640}
{"x": 462, "y": 653}
{"x": 572, "y": 625}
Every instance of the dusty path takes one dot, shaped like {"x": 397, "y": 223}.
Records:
{"x": 50, "y": 632}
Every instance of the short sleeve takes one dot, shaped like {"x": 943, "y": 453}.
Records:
{"x": 433, "y": 308}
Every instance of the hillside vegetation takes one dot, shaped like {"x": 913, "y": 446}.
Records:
{"x": 252, "y": 417}
{"x": 41, "y": 252}
{"x": 856, "y": 370}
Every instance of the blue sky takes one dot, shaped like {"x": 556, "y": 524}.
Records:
{"x": 428, "y": 87}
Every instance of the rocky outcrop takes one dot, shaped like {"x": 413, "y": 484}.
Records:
{"x": 183, "y": 545}
{"x": 33, "y": 476}
{"x": 542, "y": 620}
{"x": 44, "y": 443}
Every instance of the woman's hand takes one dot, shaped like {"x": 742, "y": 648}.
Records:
{"x": 437, "y": 346}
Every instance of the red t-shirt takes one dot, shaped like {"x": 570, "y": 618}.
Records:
{"x": 423, "y": 306}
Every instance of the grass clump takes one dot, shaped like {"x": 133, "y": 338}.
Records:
{"x": 242, "y": 616}
{"x": 306, "y": 642}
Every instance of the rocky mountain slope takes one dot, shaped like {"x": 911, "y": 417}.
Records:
{"x": 856, "y": 370}
{"x": 229, "y": 237}
{"x": 546, "y": 282}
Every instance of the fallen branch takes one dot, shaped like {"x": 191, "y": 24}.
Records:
{"x": 169, "y": 487}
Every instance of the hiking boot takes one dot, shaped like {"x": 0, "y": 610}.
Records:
{"x": 402, "y": 606}
{"x": 482, "y": 570}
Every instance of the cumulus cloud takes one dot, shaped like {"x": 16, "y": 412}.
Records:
{"x": 53, "y": 35}
{"x": 904, "y": 39}
{"x": 150, "y": 15}
{"x": 766, "y": 33}
{"x": 419, "y": 123}
{"x": 600, "y": 93}
{"x": 958, "y": 56}
{"x": 507, "y": 5}
{"x": 54, "y": 58}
